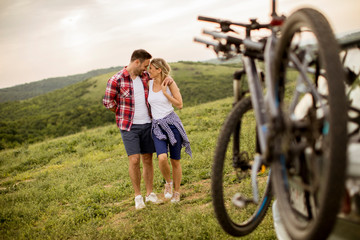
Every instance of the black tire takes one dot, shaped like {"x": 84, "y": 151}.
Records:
{"x": 308, "y": 169}
{"x": 225, "y": 182}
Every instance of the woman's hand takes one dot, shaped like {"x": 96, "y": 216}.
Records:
{"x": 164, "y": 86}
{"x": 176, "y": 98}
{"x": 168, "y": 80}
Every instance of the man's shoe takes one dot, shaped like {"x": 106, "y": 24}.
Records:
{"x": 153, "y": 198}
{"x": 176, "y": 197}
{"x": 168, "y": 190}
{"x": 139, "y": 202}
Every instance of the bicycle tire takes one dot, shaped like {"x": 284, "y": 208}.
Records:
{"x": 224, "y": 214}
{"x": 319, "y": 183}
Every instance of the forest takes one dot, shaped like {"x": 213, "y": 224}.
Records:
{"x": 79, "y": 106}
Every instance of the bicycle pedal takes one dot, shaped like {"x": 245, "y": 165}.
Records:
{"x": 262, "y": 169}
{"x": 240, "y": 201}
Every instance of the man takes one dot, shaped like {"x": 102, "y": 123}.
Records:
{"x": 126, "y": 95}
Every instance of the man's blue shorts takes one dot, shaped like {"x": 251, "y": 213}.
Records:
{"x": 162, "y": 146}
{"x": 138, "y": 140}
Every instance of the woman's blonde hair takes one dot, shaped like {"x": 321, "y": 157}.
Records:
{"x": 163, "y": 65}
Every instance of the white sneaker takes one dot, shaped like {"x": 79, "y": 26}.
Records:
{"x": 176, "y": 197}
{"x": 153, "y": 198}
{"x": 139, "y": 202}
{"x": 168, "y": 190}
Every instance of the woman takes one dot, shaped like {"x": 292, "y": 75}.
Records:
{"x": 167, "y": 129}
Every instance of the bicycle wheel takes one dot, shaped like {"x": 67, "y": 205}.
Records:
{"x": 231, "y": 173}
{"x": 308, "y": 168}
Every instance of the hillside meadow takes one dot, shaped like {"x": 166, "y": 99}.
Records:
{"x": 30, "y": 90}
{"x": 79, "y": 106}
{"x": 77, "y": 187}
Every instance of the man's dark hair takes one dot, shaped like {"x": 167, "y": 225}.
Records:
{"x": 140, "y": 54}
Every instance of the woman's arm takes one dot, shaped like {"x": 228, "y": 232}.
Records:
{"x": 176, "y": 98}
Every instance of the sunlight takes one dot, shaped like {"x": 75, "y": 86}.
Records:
{"x": 70, "y": 20}
{"x": 73, "y": 34}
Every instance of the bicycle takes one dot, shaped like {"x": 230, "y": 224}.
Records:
{"x": 303, "y": 153}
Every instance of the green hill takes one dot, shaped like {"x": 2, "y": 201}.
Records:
{"x": 79, "y": 106}
{"x": 78, "y": 187}
{"x": 29, "y": 90}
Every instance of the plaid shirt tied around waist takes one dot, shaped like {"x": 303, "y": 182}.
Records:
{"x": 171, "y": 119}
{"x": 119, "y": 93}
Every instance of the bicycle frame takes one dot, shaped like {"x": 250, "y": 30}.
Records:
{"x": 253, "y": 50}
{"x": 261, "y": 108}
{"x": 256, "y": 93}
{"x": 291, "y": 145}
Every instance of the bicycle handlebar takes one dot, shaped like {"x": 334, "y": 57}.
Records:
{"x": 229, "y": 39}
{"x": 253, "y": 25}
{"x": 218, "y": 47}
{"x": 248, "y": 43}
{"x": 209, "y": 19}
{"x": 208, "y": 43}
{"x": 232, "y": 46}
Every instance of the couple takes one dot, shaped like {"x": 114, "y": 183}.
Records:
{"x": 142, "y": 102}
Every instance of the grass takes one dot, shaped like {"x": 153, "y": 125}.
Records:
{"x": 71, "y": 109}
{"x": 77, "y": 187}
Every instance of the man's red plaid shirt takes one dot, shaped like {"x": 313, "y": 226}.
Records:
{"x": 119, "y": 93}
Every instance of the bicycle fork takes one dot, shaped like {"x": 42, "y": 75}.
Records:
{"x": 240, "y": 201}
{"x": 238, "y": 161}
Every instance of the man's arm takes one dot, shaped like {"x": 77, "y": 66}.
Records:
{"x": 110, "y": 95}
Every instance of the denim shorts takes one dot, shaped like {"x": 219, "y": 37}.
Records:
{"x": 138, "y": 140}
{"x": 162, "y": 146}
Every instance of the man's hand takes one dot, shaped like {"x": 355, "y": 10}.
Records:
{"x": 113, "y": 109}
{"x": 168, "y": 81}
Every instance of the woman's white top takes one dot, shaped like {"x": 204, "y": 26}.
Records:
{"x": 160, "y": 105}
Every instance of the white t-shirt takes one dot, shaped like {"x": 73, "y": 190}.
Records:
{"x": 141, "y": 115}
{"x": 160, "y": 105}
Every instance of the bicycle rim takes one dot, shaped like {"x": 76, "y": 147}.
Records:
{"x": 228, "y": 180}
{"x": 309, "y": 166}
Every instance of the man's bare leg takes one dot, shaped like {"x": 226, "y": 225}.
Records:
{"x": 134, "y": 172}
{"x": 148, "y": 171}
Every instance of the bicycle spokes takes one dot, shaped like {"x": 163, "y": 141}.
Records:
{"x": 240, "y": 184}
{"x": 309, "y": 160}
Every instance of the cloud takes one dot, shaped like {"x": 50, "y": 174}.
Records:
{"x": 55, "y": 38}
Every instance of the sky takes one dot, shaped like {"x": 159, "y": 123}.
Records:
{"x": 52, "y": 38}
